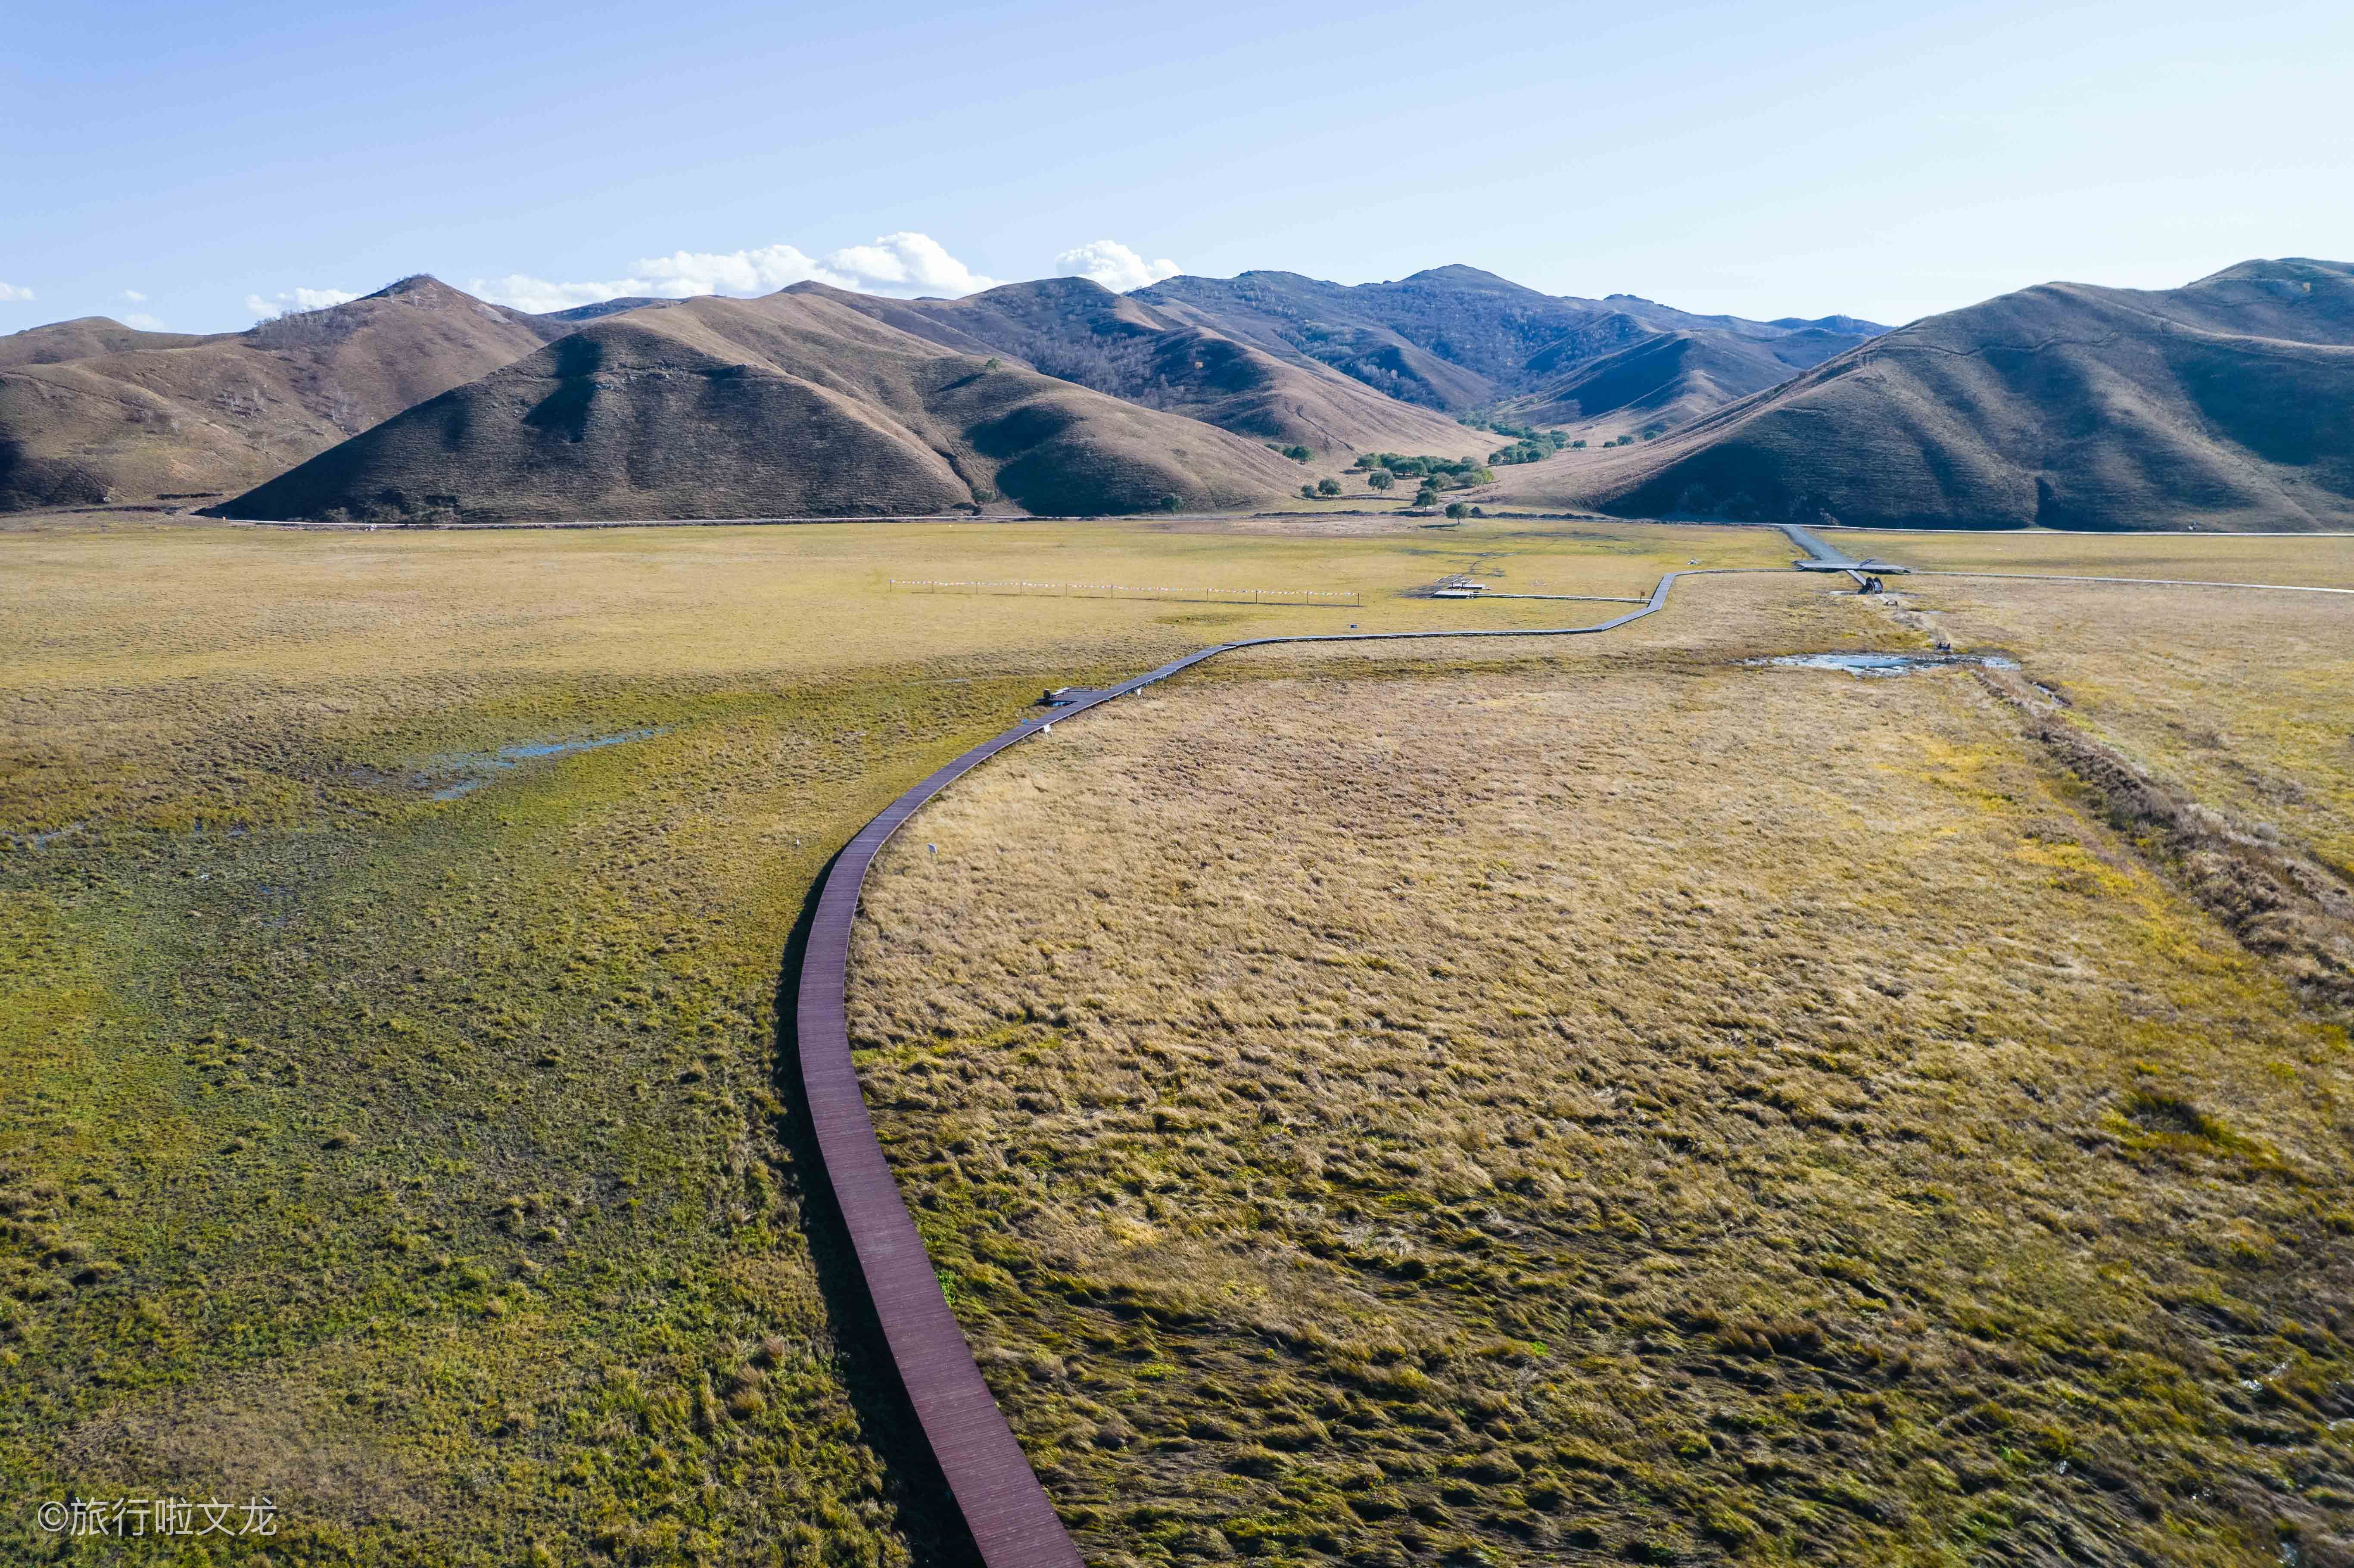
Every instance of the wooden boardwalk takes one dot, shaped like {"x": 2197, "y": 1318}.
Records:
{"x": 1012, "y": 1522}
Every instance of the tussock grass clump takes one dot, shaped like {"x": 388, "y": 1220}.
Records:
{"x": 1616, "y": 1106}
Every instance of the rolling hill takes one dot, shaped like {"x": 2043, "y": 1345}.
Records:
{"x": 1670, "y": 378}
{"x": 797, "y": 404}
{"x": 86, "y": 337}
{"x": 94, "y": 412}
{"x": 1079, "y": 331}
{"x": 2228, "y": 403}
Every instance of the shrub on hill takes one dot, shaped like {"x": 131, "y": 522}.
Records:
{"x": 304, "y": 329}
{"x": 1533, "y": 446}
{"x": 1456, "y": 473}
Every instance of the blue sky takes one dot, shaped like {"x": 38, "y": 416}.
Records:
{"x": 214, "y": 159}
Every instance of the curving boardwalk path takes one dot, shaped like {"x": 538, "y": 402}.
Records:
{"x": 1012, "y": 1522}
{"x": 1003, "y": 1504}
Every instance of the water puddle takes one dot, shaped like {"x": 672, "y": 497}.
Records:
{"x": 1866, "y": 665}
{"x": 478, "y": 767}
{"x": 33, "y": 841}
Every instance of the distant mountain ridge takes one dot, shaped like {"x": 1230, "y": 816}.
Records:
{"x": 1456, "y": 338}
{"x": 86, "y": 337}
{"x": 603, "y": 308}
{"x": 95, "y": 412}
{"x": 2227, "y": 403}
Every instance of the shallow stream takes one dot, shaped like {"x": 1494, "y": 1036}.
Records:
{"x": 1862, "y": 665}
{"x": 480, "y": 766}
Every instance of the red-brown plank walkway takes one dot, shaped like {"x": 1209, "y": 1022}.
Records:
{"x": 999, "y": 1497}
{"x": 1003, "y": 1504}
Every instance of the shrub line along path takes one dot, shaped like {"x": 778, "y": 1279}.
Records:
{"x": 1012, "y": 1522}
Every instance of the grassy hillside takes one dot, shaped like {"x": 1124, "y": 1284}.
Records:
{"x": 90, "y": 413}
{"x": 1604, "y": 1103}
{"x": 1670, "y": 378}
{"x": 794, "y": 404}
{"x": 2225, "y": 404}
{"x": 1080, "y": 331}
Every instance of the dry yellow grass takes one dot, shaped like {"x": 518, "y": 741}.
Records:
{"x": 139, "y": 633}
{"x": 2242, "y": 697}
{"x": 1599, "y": 1101}
{"x": 2324, "y": 560}
{"x": 415, "y": 1160}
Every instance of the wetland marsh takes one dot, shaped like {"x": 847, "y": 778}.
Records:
{"x": 1345, "y": 1112}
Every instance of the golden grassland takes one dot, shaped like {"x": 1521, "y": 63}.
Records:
{"x": 1603, "y": 1101}
{"x": 2320, "y": 560}
{"x": 417, "y": 1162}
{"x": 2245, "y": 698}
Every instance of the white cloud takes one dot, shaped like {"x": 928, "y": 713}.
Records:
{"x": 903, "y": 264}
{"x": 1113, "y": 265}
{"x": 298, "y": 300}
{"x": 9, "y": 292}
{"x": 142, "y": 320}
{"x": 521, "y": 291}
{"x": 906, "y": 263}
{"x": 134, "y": 296}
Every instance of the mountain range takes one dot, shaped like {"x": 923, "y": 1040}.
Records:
{"x": 2224, "y": 404}
{"x": 793, "y": 404}
{"x": 93, "y": 412}
{"x": 2228, "y": 403}
{"x": 1457, "y": 339}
